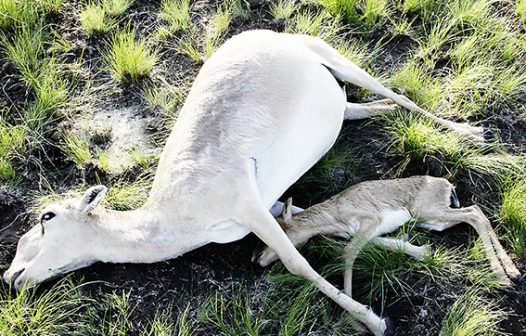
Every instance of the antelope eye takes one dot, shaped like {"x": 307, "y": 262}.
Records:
{"x": 47, "y": 216}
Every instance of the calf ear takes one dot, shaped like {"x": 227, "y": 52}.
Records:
{"x": 286, "y": 213}
{"x": 92, "y": 197}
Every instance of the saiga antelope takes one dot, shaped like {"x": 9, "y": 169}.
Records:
{"x": 373, "y": 208}
{"x": 262, "y": 110}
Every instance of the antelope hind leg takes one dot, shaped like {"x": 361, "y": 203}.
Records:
{"x": 366, "y": 110}
{"x": 345, "y": 70}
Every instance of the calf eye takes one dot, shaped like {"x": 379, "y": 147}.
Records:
{"x": 47, "y": 216}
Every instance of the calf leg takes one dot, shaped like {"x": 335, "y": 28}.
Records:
{"x": 441, "y": 218}
{"x": 257, "y": 218}
{"x": 358, "y": 242}
{"x": 417, "y": 252}
{"x": 300, "y": 236}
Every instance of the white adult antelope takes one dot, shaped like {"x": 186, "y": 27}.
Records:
{"x": 373, "y": 208}
{"x": 263, "y": 109}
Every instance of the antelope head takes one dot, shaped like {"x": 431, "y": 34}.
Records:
{"x": 59, "y": 243}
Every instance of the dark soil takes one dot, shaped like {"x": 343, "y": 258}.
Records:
{"x": 188, "y": 280}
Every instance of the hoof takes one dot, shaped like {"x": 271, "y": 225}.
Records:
{"x": 510, "y": 290}
{"x": 489, "y": 135}
{"x": 256, "y": 255}
{"x": 389, "y": 328}
{"x": 517, "y": 279}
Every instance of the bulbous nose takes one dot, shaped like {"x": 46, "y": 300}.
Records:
{"x": 10, "y": 277}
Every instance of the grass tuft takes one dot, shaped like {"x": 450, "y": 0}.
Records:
{"x": 57, "y": 311}
{"x": 77, "y": 150}
{"x": 12, "y": 139}
{"x": 513, "y": 213}
{"x": 520, "y": 9}
{"x": 129, "y": 59}
{"x": 283, "y": 9}
{"x": 176, "y": 13}
{"x": 128, "y": 196}
{"x": 472, "y": 315}
{"x": 418, "y": 84}
{"x": 94, "y": 20}
{"x": 116, "y": 7}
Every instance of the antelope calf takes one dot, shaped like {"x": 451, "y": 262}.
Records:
{"x": 371, "y": 209}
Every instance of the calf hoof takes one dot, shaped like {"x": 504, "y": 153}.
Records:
{"x": 489, "y": 135}
{"x": 389, "y": 328}
{"x": 256, "y": 254}
{"x": 516, "y": 279}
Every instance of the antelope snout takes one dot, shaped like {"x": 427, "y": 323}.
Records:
{"x": 11, "y": 277}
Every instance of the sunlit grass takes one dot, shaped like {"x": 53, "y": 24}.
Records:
{"x": 77, "y": 149}
{"x": 25, "y": 49}
{"x": 513, "y": 213}
{"x": 129, "y": 58}
{"x": 128, "y": 196}
{"x": 57, "y": 311}
{"x": 373, "y": 11}
{"x": 283, "y": 9}
{"x": 25, "y": 12}
{"x": 176, "y": 13}
{"x": 116, "y": 7}
{"x": 94, "y": 20}
{"x": 12, "y": 144}
{"x": 473, "y": 315}
{"x": 520, "y": 9}
{"x": 417, "y": 83}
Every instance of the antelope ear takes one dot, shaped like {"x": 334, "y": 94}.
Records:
{"x": 286, "y": 213}
{"x": 92, "y": 197}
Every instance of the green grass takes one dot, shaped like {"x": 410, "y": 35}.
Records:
{"x": 282, "y": 9}
{"x": 12, "y": 144}
{"x": 77, "y": 150}
{"x": 424, "y": 7}
{"x": 240, "y": 8}
{"x": 176, "y": 13}
{"x": 356, "y": 51}
{"x": 520, "y": 9}
{"x": 416, "y": 82}
{"x": 15, "y": 11}
{"x": 94, "y": 20}
{"x": 57, "y": 311}
{"x": 418, "y": 140}
{"x": 116, "y": 7}
{"x": 310, "y": 23}
{"x": 167, "y": 98}
{"x": 472, "y": 315}
{"x": 347, "y": 9}
{"x": 25, "y": 12}
{"x": 40, "y": 72}
{"x": 129, "y": 58}
{"x": 513, "y": 214}
{"x": 373, "y": 11}
{"x": 128, "y": 196}
{"x": 25, "y": 49}
{"x": 198, "y": 45}
{"x": 231, "y": 317}
{"x": 117, "y": 312}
